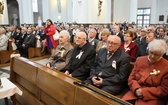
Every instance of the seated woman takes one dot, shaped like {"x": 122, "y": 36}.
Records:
{"x": 128, "y": 46}
{"x": 62, "y": 53}
{"x": 103, "y": 43}
{"x": 3, "y": 40}
{"x": 148, "y": 80}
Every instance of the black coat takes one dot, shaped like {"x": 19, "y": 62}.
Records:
{"x": 80, "y": 68}
{"x": 114, "y": 71}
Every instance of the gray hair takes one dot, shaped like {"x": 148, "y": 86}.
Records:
{"x": 158, "y": 45}
{"x": 3, "y": 30}
{"x": 66, "y": 33}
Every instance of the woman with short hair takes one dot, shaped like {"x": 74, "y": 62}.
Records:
{"x": 128, "y": 46}
{"x": 149, "y": 77}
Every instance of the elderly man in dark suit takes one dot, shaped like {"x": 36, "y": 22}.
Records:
{"x": 29, "y": 41}
{"x": 117, "y": 32}
{"x": 82, "y": 58}
{"x": 143, "y": 46}
{"x": 111, "y": 68}
{"x": 92, "y": 38}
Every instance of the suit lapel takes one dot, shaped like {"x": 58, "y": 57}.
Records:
{"x": 114, "y": 57}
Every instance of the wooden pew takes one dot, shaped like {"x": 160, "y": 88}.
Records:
{"x": 44, "y": 86}
{"x": 5, "y": 55}
{"x": 34, "y": 51}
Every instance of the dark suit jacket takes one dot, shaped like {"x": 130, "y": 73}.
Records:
{"x": 121, "y": 37}
{"x": 29, "y": 40}
{"x": 142, "y": 47}
{"x": 113, "y": 78}
{"x": 94, "y": 43}
{"x": 80, "y": 68}
{"x": 13, "y": 34}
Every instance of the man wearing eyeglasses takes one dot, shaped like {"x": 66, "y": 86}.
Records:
{"x": 82, "y": 58}
{"x": 111, "y": 68}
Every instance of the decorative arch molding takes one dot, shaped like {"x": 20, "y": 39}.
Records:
{"x": 13, "y": 12}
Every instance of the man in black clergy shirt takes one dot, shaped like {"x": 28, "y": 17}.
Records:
{"x": 82, "y": 58}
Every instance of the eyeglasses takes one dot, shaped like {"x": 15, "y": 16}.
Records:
{"x": 154, "y": 54}
{"x": 112, "y": 43}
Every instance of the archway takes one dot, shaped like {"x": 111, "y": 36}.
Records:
{"x": 13, "y": 12}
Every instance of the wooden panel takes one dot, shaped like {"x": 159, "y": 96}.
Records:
{"x": 27, "y": 98}
{"x": 32, "y": 88}
{"x": 59, "y": 86}
{"x": 38, "y": 52}
{"x": 26, "y": 69}
{"x": 31, "y": 52}
{"x": 47, "y": 99}
{"x": 4, "y": 56}
{"x": 83, "y": 94}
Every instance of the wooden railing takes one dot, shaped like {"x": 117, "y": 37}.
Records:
{"x": 44, "y": 86}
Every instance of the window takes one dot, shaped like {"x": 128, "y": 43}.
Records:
{"x": 143, "y": 17}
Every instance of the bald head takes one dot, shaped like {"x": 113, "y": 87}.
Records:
{"x": 81, "y": 38}
{"x": 113, "y": 43}
{"x": 82, "y": 35}
{"x": 115, "y": 38}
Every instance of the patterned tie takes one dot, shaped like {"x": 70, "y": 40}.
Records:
{"x": 109, "y": 55}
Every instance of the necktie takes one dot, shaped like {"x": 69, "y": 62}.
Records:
{"x": 109, "y": 55}
{"x": 147, "y": 48}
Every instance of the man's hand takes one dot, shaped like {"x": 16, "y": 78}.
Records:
{"x": 97, "y": 82}
{"x": 66, "y": 72}
{"x": 48, "y": 65}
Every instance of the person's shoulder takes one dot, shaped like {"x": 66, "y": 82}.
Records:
{"x": 133, "y": 44}
{"x": 103, "y": 49}
{"x": 141, "y": 58}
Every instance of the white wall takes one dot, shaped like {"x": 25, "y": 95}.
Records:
{"x": 26, "y": 12}
{"x": 86, "y": 11}
{"x": 50, "y": 10}
{"x": 4, "y": 17}
{"x": 121, "y": 10}
{"x": 145, "y": 3}
{"x": 162, "y": 9}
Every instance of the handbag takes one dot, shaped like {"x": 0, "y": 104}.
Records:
{"x": 56, "y": 35}
{"x": 14, "y": 47}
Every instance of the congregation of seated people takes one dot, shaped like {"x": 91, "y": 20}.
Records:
{"x": 100, "y": 55}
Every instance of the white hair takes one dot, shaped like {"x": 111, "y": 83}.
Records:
{"x": 66, "y": 33}
{"x": 158, "y": 45}
{"x": 3, "y": 30}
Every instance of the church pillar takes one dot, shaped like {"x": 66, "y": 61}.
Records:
{"x": 153, "y": 12}
{"x": 133, "y": 10}
{"x": 45, "y": 9}
{"x": 26, "y": 12}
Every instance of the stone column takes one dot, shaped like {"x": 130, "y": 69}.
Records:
{"x": 25, "y": 11}
{"x": 45, "y": 9}
{"x": 133, "y": 10}
{"x": 153, "y": 12}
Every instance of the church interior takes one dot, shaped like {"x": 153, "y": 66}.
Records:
{"x": 55, "y": 52}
